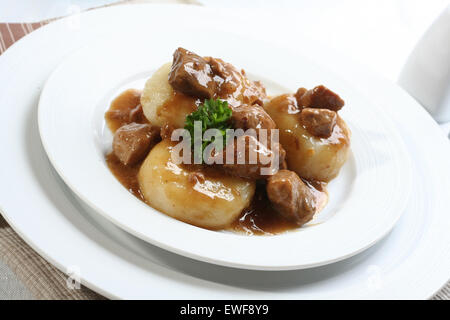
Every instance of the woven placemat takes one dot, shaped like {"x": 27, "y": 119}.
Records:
{"x": 42, "y": 279}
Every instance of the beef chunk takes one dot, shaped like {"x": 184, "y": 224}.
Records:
{"x": 252, "y": 159}
{"x": 191, "y": 75}
{"x": 234, "y": 86}
{"x": 252, "y": 117}
{"x": 220, "y": 68}
{"x": 137, "y": 115}
{"x": 291, "y": 197}
{"x": 319, "y": 97}
{"x": 318, "y": 122}
{"x": 133, "y": 141}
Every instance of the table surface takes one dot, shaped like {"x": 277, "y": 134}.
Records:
{"x": 386, "y": 32}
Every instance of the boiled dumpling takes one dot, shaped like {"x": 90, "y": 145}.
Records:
{"x": 210, "y": 201}
{"x": 311, "y": 157}
{"x": 161, "y": 104}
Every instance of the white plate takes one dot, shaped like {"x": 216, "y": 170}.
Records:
{"x": 73, "y": 132}
{"x": 412, "y": 262}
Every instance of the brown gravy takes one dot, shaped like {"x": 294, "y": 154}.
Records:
{"x": 127, "y": 175}
{"x": 125, "y": 109}
{"x": 259, "y": 218}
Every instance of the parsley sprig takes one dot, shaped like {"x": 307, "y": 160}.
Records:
{"x": 213, "y": 114}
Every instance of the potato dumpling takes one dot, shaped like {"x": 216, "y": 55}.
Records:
{"x": 309, "y": 156}
{"x": 161, "y": 104}
{"x": 210, "y": 201}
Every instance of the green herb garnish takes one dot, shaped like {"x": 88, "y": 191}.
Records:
{"x": 213, "y": 114}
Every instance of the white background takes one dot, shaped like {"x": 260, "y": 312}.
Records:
{"x": 378, "y": 33}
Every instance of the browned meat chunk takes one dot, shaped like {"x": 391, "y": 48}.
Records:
{"x": 133, "y": 141}
{"x": 319, "y": 97}
{"x": 137, "y": 115}
{"x": 252, "y": 117}
{"x": 191, "y": 74}
{"x": 252, "y": 159}
{"x": 291, "y": 197}
{"x": 234, "y": 86}
{"x": 220, "y": 68}
{"x": 318, "y": 122}
{"x": 260, "y": 90}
